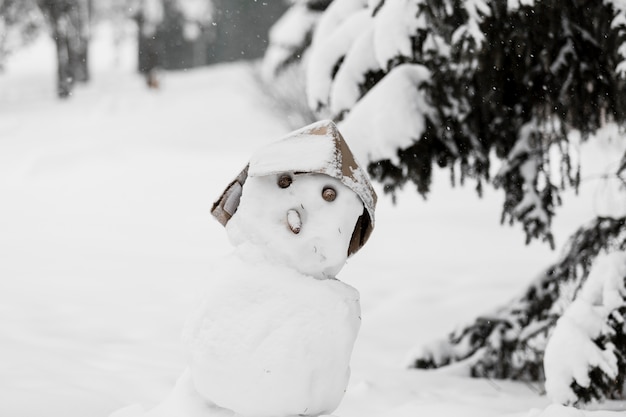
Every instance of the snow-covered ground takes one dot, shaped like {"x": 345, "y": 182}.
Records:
{"x": 106, "y": 239}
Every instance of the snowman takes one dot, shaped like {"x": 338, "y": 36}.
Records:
{"x": 274, "y": 333}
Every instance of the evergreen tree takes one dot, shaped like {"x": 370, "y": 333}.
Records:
{"x": 456, "y": 82}
{"x": 508, "y": 77}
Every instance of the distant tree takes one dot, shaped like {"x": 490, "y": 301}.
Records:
{"x": 173, "y": 34}
{"x": 460, "y": 84}
{"x": 149, "y": 15}
{"x": 180, "y": 34}
{"x": 241, "y": 28}
{"x": 69, "y": 22}
{"x": 20, "y": 22}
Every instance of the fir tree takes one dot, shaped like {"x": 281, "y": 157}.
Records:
{"x": 508, "y": 77}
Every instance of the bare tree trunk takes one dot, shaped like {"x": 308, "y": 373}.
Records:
{"x": 65, "y": 75}
{"x": 69, "y": 21}
{"x": 82, "y": 18}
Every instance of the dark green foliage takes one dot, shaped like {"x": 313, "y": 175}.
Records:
{"x": 416, "y": 163}
{"x": 540, "y": 72}
{"x": 509, "y": 343}
{"x": 318, "y": 5}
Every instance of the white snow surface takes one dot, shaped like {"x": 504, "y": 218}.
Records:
{"x": 106, "y": 240}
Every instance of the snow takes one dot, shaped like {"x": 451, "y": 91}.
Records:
{"x": 609, "y": 199}
{"x": 360, "y": 59}
{"x": 557, "y": 410}
{"x": 327, "y": 53}
{"x": 106, "y": 240}
{"x": 395, "y": 24}
{"x": 305, "y": 153}
{"x": 476, "y": 9}
{"x": 513, "y": 5}
{"x": 289, "y": 28}
{"x": 334, "y": 16}
{"x": 390, "y": 116}
{"x": 267, "y": 341}
{"x": 288, "y": 36}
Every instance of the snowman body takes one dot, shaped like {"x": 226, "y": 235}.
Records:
{"x": 268, "y": 341}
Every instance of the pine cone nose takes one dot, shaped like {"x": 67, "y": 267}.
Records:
{"x": 294, "y": 221}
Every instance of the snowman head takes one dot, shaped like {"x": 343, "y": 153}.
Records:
{"x": 303, "y": 201}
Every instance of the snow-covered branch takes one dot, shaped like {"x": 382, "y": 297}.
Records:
{"x": 510, "y": 342}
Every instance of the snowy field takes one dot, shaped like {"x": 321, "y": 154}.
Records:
{"x": 106, "y": 240}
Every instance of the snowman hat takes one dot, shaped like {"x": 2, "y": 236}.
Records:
{"x": 317, "y": 148}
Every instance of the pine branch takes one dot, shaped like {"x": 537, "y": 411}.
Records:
{"x": 509, "y": 343}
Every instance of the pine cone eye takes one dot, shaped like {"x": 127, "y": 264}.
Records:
{"x": 284, "y": 181}
{"x": 329, "y": 194}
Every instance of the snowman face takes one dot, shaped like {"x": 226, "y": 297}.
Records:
{"x": 304, "y": 221}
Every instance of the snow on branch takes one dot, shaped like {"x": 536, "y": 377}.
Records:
{"x": 335, "y": 15}
{"x": 510, "y": 342}
{"x": 289, "y": 38}
{"x": 531, "y": 196}
{"x": 358, "y": 72}
{"x": 470, "y": 33}
{"x": 327, "y": 55}
{"x": 391, "y": 116}
{"x": 585, "y": 357}
{"x": 619, "y": 24}
{"x": 395, "y": 25}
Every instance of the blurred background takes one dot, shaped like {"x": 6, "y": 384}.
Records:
{"x": 122, "y": 121}
{"x": 169, "y": 34}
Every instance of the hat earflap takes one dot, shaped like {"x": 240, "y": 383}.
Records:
{"x": 226, "y": 206}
